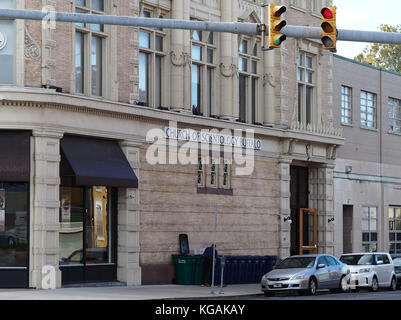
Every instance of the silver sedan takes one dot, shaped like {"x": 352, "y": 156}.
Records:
{"x": 307, "y": 274}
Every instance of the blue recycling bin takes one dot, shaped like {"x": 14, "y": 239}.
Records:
{"x": 250, "y": 273}
{"x": 256, "y": 270}
{"x": 242, "y": 270}
{"x": 270, "y": 262}
{"x": 234, "y": 270}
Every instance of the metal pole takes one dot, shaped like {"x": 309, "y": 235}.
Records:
{"x": 344, "y": 35}
{"x": 230, "y": 27}
{"x": 369, "y": 36}
{"x": 214, "y": 248}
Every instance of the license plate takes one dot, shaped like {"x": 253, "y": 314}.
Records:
{"x": 277, "y": 285}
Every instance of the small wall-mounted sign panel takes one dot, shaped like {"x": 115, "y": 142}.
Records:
{"x": 3, "y": 40}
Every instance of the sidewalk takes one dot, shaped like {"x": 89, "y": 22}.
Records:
{"x": 131, "y": 293}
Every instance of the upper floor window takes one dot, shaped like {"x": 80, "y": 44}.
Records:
{"x": 89, "y": 44}
{"x": 305, "y": 77}
{"x": 394, "y": 115}
{"x": 346, "y": 105}
{"x": 248, "y": 67}
{"x": 150, "y": 65}
{"x": 202, "y": 70}
{"x": 368, "y": 110}
{"x": 299, "y": 3}
{"x": 316, "y": 6}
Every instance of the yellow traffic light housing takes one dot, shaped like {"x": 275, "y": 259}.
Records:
{"x": 329, "y": 29}
{"x": 276, "y": 38}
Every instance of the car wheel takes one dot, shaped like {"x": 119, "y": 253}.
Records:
{"x": 312, "y": 287}
{"x": 375, "y": 285}
{"x": 343, "y": 285}
{"x": 393, "y": 286}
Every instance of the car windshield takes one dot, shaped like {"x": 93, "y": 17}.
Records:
{"x": 357, "y": 259}
{"x": 298, "y": 262}
{"x": 397, "y": 262}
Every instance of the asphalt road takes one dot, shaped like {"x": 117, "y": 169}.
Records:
{"x": 326, "y": 295}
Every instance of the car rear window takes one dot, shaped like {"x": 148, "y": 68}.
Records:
{"x": 357, "y": 259}
{"x": 297, "y": 262}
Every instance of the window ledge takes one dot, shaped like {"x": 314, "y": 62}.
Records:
{"x": 218, "y": 191}
{"x": 394, "y": 133}
{"x": 298, "y": 8}
{"x": 369, "y": 129}
{"x": 347, "y": 125}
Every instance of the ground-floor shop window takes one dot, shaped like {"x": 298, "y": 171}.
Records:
{"x": 394, "y": 219}
{"x": 369, "y": 229}
{"x": 86, "y": 226}
{"x": 13, "y": 225}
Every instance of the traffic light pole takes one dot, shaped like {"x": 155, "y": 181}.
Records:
{"x": 49, "y": 16}
{"x": 229, "y": 27}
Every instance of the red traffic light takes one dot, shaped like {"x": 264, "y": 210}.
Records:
{"x": 327, "y": 13}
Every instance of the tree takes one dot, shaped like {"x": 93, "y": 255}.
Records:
{"x": 387, "y": 56}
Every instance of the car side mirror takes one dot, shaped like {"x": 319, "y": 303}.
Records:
{"x": 321, "y": 266}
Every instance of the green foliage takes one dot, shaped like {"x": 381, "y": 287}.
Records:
{"x": 387, "y": 56}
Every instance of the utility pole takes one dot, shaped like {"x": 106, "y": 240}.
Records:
{"x": 290, "y": 31}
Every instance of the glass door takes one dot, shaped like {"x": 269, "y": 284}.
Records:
{"x": 14, "y": 235}
{"x": 87, "y": 234}
{"x": 307, "y": 231}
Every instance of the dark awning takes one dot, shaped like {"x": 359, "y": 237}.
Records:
{"x": 98, "y": 162}
{"x": 15, "y": 155}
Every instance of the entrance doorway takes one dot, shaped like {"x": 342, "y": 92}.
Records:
{"x": 347, "y": 228}
{"x": 304, "y": 220}
{"x": 299, "y": 189}
{"x": 87, "y": 234}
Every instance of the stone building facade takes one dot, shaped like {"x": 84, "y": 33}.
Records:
{"x": 79, "y": 91}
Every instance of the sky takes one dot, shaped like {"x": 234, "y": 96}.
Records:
{"x": 365, "y": 15}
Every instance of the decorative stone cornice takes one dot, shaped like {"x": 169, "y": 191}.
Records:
{"x": 325, "y": 129}
{"x": 42, "y": 99}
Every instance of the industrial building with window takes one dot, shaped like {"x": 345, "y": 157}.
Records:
{"x": 367, "y": 179}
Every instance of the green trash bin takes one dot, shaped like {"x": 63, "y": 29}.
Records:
{"x": 183, "y": 269}
{"x": 197, "y": 270}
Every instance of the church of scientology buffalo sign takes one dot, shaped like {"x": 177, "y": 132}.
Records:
{"x": 213, "y": 137}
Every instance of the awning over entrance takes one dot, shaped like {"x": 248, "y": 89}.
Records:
{"x": 15, "y": 156}
{"x": 98, "y": 162}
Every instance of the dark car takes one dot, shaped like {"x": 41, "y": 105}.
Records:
{"x": 397, "y": 270}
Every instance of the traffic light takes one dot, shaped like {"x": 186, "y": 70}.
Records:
{"x": 329, "y": 29}
{"x": 275, "y": 25}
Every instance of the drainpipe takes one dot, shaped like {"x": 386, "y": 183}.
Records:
{"x": 381, "y": 128}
